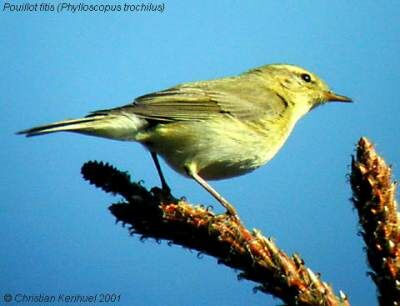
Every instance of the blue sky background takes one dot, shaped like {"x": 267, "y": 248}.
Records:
{"x": 57, "y": 233}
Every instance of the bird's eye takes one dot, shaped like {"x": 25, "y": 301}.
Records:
{"x": 306, "y": 77}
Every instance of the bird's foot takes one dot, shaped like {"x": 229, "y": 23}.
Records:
{"x": 164, "y": 194}
{"x": 231, "y": 213}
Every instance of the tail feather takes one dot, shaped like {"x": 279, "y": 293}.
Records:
{"x": 61, "y": 126}
{"x": 114, "y": 126}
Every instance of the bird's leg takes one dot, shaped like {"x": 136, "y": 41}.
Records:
{"x": 229, "y": 207}
{"x": 164, "y": 185}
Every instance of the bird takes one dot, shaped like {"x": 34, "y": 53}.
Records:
{"x": 214, "y": 129}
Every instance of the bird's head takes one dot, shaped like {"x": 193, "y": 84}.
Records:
{"x": 299, "y": 86}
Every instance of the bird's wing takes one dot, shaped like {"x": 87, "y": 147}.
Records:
{"x": 204, "y": 100}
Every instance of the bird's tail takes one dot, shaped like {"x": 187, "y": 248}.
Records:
{"x": 115, "y": 126}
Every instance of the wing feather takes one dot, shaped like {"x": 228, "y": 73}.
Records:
{"x": 239, "y": 97}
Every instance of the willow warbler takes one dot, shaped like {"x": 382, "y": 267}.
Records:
{"x": 214, "y": 129}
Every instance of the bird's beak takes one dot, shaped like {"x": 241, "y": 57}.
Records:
{"x": 331, "y": 96}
